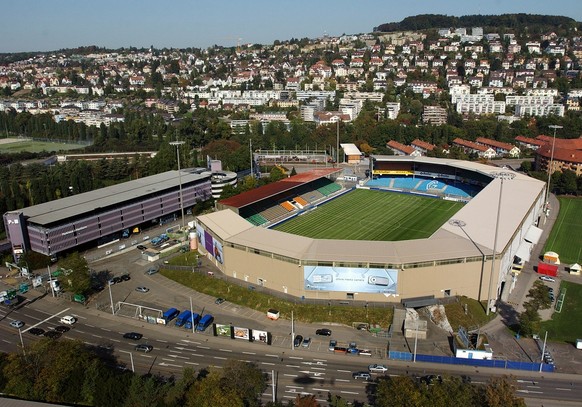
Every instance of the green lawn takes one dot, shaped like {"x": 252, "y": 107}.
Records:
{"x": 566, "y": 325}
{"x": 566, "y": 236}
{"x": 373, "y": 215}
{"x": 37, "y": 146}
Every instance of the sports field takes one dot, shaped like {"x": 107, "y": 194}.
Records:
{"x": 15, "y": 145}
{"x": 566, "y": 235}
{"x": 373, "y": 215}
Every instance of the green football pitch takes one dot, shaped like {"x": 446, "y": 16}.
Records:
{"x": 566, "y": 235}
{"x": 373, "y": 215}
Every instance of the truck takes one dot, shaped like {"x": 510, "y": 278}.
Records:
{"x": 170, "y": 314}
{"x": 183, "y": 317}
{"x": 192, "y": 321}
{"x": 204, "y": 322}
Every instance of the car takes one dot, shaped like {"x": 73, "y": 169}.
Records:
{"x": 547, "y": 279}
{"x": 377, "y": 368}
{"x": 68, "y": 320}
{"x": 151, "y": 271}
{"x": 125, "y": 277}
{"x": 362, "y": 375}
{"x": 142, "y": 289}
{"x": 17, "y": 324}
{"x": 365, "y": 352}
{"x": 353, "y": 351}
{"x": 36, "y": 331}
{"x": 323, "y": 332}
{"x": 133, "y": 335}
{"x": 352, "y": 345}
{"x": 362, "y": 327}
{"x": 141, "y": 247}
{"x": 219, "y": 301}
{"x": 144, "y": 347}
{"x": 306, "y": 342}
{"x": 298, "y": 340}
{"x": 550, "y": 290}
{"x": 332, "y": 345}
{"x": 62, "y": 329}
{"x": 52, "y": 334}
{"x": 340, "y": 349}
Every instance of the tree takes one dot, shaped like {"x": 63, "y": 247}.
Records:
{"x": 245, "y": 379}
{"x": 79, "y": 280}
{"x": 400, "y": 391}
{"x": 276, "y": 174}
{"x": 500, "y": 392}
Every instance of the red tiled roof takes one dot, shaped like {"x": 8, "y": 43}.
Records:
{"x": 560, "y": 154}
{"x": 470, "y": 144}
{"x": 566, "y": 143}
{"x": 270, "y": 190}
{"x": 423, "y": 144}
{"x": 529, "y": 140}
{"x": 495, "y": 143}
{"x": 395, "y": 145}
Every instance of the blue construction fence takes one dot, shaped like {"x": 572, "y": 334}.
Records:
{"x": 450, "y": 360}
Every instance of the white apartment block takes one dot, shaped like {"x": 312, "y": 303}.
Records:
{"x": 553, "y": 92}
{"x": 473, "y": 98}
{"x": 539, "y": 110}
{"x": 316, "y": 94}
{"x": 373, "y": 96}
{"x": 477, "y": 107}
{"x": 513, "y": 100}
{"x": 392, "y": 110}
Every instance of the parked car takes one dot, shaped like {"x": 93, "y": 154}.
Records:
{"x": 125, "y": 277}
{"x": 62, "y": 329}
{"x": 353, "y": 351}
{"x": 362, "y": 327}
{"x": 362, "y": 375}
{"x": 365, "y": 352}
{"x": 151, "y": 271}
{"x": 142, "y": 289}
{"x": 323, "y": 332}
{"x": 52, "y": 334}
{"x": 377, "y": 368}
{"x": 332, "y": 345}
{"x": 219, "y": 301}
{"x": 352, "y": 345}
{"x": 36, "y": 331}
{"x": 144, "y": 347}
{"x": 141, "y": 247}
{"x": 133, "y": 335}
{"x": 306, "y": 342}
{"x": 68, "y": 320}
{"x": 548, "y": 279}
{"x": 17, "y": 324}
{"x": 297, "y": 341}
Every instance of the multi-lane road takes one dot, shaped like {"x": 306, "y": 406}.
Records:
{"x": 314, "y": 370}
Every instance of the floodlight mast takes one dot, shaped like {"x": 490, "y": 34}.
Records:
{"x": 178, "y": 144}
{"x": 550, "y": 168}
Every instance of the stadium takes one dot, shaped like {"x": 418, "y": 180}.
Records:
{"x": 417, "y": 230}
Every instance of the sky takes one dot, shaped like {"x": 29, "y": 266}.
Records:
{"x": 45, "y": 25}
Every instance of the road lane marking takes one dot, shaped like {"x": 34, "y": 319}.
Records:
{"x": 178, "y": 356}
{"x": 295, "y": 357}
{"x": 272, "y": 356}
{"x": 78, "y": 330}
{"x": 175, "y": 351}
{"x": 349, "y": 392}
{"x": 225, "y": 350}
{"x": 267, "y": 363}
{"x": 250, "y": 353}
{"x": 203, "y": 347}
{"x": 316, "y": 389}
{"x": 92, "y": 326}
{"x": 105, "y": 329}
{"x": 161, "y": 340}
{"x": 290, "y": 375}
{"x": 294, "y": 366}
{"x": 341, "y": 380}
{"x": 219, "y": 358}
{"x": 344, "y": 371}
{"x": 191, "y": 363}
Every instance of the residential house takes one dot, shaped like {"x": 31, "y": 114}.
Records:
{"x": 501, "y": 149}
{"x": 473, "y": 148}
{"x": 401, "y": 149}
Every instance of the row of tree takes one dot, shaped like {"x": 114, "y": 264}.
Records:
{"x": 73, "y": 373}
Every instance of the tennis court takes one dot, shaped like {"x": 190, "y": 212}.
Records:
{"x": 373, "y": 215}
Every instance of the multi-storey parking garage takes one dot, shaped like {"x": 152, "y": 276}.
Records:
{"x": 63, "y": 224}
{"x": 499, "y": 221}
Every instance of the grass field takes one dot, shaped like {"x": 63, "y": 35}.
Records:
{"x": 37, "y": 146}
{"x": 566, "y": 235}
{"x": 373, "y": 215}
{"x": 566, "y": 325}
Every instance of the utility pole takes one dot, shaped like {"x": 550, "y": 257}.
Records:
{"x": 178, "y": 144}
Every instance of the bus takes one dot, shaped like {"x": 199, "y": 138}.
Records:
{"x": 204, "y": 322}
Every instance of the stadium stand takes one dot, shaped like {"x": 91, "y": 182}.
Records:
{"x": 300, "y": 201}
{"x": 274, "y": 212}
{"x": 257, "y": 219}
{"x": 287, "y": 205}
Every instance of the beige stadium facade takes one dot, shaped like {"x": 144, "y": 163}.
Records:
{"x": 455, "y": 260}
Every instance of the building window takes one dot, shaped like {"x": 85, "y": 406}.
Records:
{"x": 350, "y": 296}
{"x": 447, "y": 293}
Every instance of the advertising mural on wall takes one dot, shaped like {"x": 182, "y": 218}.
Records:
{"x": 200, "y": 234}
{"x": 260, "y": 336}
{"x": 241, "y": 333}
{"x": 350, "y": 279}
{"x": 223, "y": 330}
{"x": 217, "y": 250}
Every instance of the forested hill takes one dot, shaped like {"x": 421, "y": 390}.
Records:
{"x": 513, "y": 21}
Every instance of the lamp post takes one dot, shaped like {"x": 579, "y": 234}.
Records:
{"x": 178, "y": 144}
{"x": 502, "y": 176}
{"x": 551, "y": 166}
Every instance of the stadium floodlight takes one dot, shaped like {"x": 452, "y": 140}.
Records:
{"x": 502, "y": 176}
{"x": 550, "y": 168}
{"x": 178, "y": 144}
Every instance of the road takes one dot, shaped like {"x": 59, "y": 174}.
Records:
{"x": 315, "y": 370}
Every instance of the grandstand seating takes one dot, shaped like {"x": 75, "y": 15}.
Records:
{"x": 257, "y": 219}
{"x": 329, "y": 189}
{"x": 422, "y": 184}
{"x": 300, "y": 201}
{"x": 288, "y": 206}
{"x": 274, "y": 212}
{"x": 312, "y": 196}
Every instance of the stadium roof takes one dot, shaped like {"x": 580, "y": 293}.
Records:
{"x": 474, "y": 238}
{"x": 350, "y": 149}
{"x": 270, "y": 190}
{"x": 61, "y": 209}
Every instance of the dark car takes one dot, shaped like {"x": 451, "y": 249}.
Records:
{"x": 141, "y": 247}
{"x": 36, "y": 331}
{"x": 62, "y": 329}
{"x": 125, "y": 277}
{"x": 144, "y": 347}
{"x": 219, "y": 301}
{"x": 133, "y": 335}
{"x": 298, "y": 341}
{"x": 323, "y": 332}
{"x": 52, "y": 334}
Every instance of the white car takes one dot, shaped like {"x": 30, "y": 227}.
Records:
{"x": 377, "y": 369}
{"x": 548, "y": 279}
{"x": 68, "y": 320}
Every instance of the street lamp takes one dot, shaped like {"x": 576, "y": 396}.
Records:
{"x": 501, "y": 176}
{"x": 551, "y": 166}
{"x": 178, "y": 144}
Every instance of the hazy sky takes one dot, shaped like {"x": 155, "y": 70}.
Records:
{"x": 43, "y": 25}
